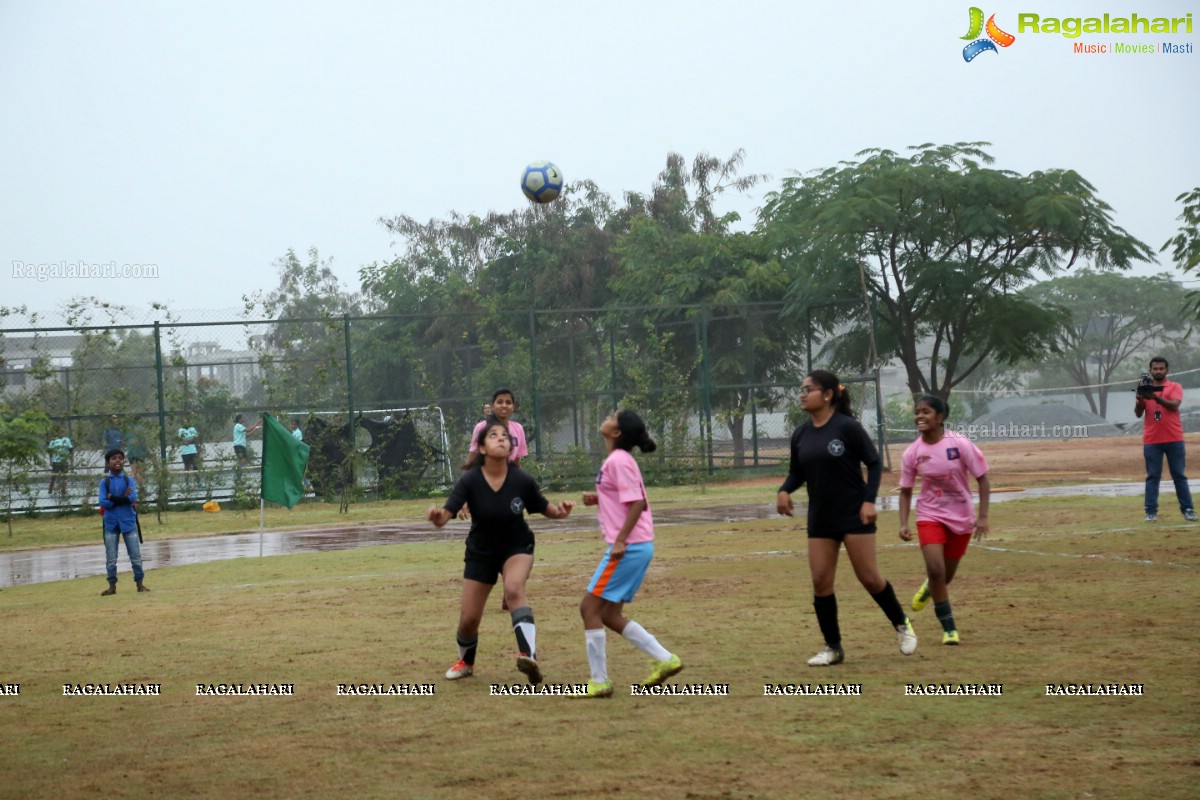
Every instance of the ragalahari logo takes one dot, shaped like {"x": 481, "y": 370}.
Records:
{"x": 995, "y": 36}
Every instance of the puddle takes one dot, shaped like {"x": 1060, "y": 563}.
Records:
{"x": 87, "y": 561}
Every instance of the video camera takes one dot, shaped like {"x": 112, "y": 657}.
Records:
{"x": 1146, "y": 388}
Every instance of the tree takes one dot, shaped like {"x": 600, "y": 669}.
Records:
{"x": 1112, "y": 317}
{"x": 434, "y": 328}
{"x": 303, "y": 353}
{"x": 1185, "y": 245}
{"x": 459, "y": 295}
{"x": 941, "y": 244}
{"x": 112, "y": 371}
{"x": 703, "y": 281}
{"x": 22, "y": 445}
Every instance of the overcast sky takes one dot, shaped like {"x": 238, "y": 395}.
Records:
{"x": 208, "y": 138}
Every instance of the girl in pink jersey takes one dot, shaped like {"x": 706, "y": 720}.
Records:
{"x": 503, "y": 404}
{"x": 628, "y": 527}
{"x": 946, "y": 462}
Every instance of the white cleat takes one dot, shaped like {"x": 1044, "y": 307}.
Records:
{"x": 827, "y": 657}
{"x": 906, "y": 637}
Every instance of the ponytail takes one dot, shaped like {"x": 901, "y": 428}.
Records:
{"x": 633, "y": 433}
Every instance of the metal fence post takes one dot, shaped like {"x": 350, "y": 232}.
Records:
{"x": 879, "y": 422}
{"x": 349, "y": 381}
{"x": 808, "y": 338}
{"x": 574, "y": 389}
{"x": 162, "y": 414}
{"x": 612, "y": 366}
{"x": 706, "y": 387}
{"x": 533, "y": 386}
{"x": 752, "y": 382}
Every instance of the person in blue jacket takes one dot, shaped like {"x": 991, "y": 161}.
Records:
{"x": 118, "y": 494}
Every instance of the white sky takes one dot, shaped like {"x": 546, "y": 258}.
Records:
{"x": 208, "y": 138}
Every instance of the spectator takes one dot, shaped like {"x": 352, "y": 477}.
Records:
{"x": 239, "y": 438}
{"x": 118, "y": 499}
{"x": 113, "y": 439}
{"x": 188, "y": 448}
{"x": 60, "y": 449}
{"x": 1162, "y": 435}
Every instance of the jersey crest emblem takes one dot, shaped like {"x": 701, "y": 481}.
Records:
{"x": 836, "y": 448}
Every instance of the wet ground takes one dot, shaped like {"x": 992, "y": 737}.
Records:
{"x": 86, "y": 561}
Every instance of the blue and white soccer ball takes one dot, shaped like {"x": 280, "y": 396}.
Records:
{"x": 542, "y": 181}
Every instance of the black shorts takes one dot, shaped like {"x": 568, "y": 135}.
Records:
{"x": 189, "y": 461}
{"x": 485, "y": 567}
{"x": 840, "y": 536}
{"x": 239, "y": 451}
{"x": 58, "y": 466}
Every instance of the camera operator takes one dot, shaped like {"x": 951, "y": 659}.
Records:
{"x": 1159, "y": 400}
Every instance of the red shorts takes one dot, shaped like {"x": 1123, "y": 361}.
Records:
{"x": 937, "y": 533}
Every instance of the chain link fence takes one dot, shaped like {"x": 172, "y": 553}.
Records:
{"x": 388, "y": 402}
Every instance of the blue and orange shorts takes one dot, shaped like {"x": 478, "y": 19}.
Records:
{"x": 617, "y": 580}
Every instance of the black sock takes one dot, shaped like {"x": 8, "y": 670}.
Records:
{"x": 886, "y": 598}
{"x": 466, "y": 649}
{"x": 827, "y": 618}
{"x": 945, "y": 616}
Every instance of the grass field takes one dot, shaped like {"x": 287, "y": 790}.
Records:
{"x": 1065, "y": 591}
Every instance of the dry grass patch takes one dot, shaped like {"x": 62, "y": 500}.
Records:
{"x": 1069, "y": 591}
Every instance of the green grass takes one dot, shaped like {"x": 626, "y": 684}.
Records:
{"x": 1064, "y": 591}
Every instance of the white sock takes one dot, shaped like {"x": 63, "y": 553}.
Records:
{"x": 640, "y": 638}
{"x": 597, "y": 655}
{"x": 522, "y": 619}
{"x": 529, "y": 632}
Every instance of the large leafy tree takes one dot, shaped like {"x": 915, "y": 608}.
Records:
{"x": 22, "y": 446}
{"x": 461, "y": 291}
{"x": 1112, "y": 318}
{"x": 1185, "y": 245}
{"x": 941, "y": 244}
{"x": 701, "y": 280}
{"x": 428, "y": 298}
{"x": 302, "y": 354}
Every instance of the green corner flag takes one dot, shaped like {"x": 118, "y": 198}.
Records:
{"x": 284, "y": 459}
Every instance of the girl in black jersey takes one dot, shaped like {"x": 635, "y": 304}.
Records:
{"x": 500, "y": 541}
{"x": 828, "y": 454}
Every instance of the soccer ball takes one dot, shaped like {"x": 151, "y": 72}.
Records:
{"x": 542, "y": 181}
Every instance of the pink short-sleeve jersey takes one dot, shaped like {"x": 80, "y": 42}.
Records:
{"x": 1161, "y": 424}
{"x": 515, "y": 432}
{"x": 618, "y": 485}
{"x": 946, "y": 469}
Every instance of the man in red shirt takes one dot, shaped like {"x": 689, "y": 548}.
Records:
{"x": 1163, "y": 436}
